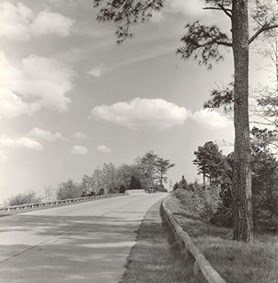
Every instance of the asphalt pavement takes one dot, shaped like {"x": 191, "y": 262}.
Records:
{"x": 85, "y": 242}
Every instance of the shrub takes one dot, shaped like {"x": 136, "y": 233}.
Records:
{"x": 24, "y": 198}
{"x": 223, "y": 215}
{"x": 68, "y": 190}
{"x": 135, "y": 183}
{"x": 122, "y": 189}
{"x": 101, "y": 192}
{"x": 199, "y": 201}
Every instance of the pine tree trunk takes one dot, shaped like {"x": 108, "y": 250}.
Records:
{"x": 242, "y": 186}
{"x": 276, "y": 59}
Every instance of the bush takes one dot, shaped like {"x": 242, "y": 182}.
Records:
{"x": 101, "y": 192}
{"x": 199, "y": 201}
{"x": 159, "y": 188}
{"x": 113, "y": 191}
{"x": 24, "y": 198}
{"x": 87, "y": 193}
{"x": 122, "y": 189}
{"x": 68, "y": 190}
{"x": 135, "y": 184}
{"x": 223, "y": 215}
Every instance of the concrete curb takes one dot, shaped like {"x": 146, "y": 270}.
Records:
{"x": 55, "y": 203}
{"x": 184, "y": 241}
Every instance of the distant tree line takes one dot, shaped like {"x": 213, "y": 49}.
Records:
{"x": 148, "y": 172}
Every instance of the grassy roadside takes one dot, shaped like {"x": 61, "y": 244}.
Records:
{"x": 151, "y": 259}
{"x": 235, "y": 262}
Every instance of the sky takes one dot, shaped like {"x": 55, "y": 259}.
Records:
{"x": 72, "y": 99}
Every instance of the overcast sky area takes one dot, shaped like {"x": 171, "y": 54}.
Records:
{"x": 71, "y": 99}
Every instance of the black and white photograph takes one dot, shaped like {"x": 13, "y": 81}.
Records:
{"x": 139, "y": 141}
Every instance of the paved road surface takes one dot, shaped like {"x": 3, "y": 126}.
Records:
{"x": 86, "y": 242}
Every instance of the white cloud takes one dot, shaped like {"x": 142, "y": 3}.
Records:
{"x": 187, "y": 7}
{"x": 97, "y": 71}
{"x": 36, "y": 83}
{"x": 80, "y": 135}
{"x": 141, "y": 113}
{"x": 23, "y": 142}
{"x": 44, "y": 134}
{"x": 51, "y": 23}
{"x": 79, "y": 150}
{"x": 12, "y": 105}
{"x": 103, "y": 148}
{"x": 18, "y": 22}
{"x": 211, "y": 119}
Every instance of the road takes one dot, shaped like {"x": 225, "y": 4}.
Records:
{"x": 85, "y": 242}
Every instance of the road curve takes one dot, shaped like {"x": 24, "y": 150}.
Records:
{"x": 85, "y": 242}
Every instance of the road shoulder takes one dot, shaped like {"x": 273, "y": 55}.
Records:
{"x": 152, "y": 259}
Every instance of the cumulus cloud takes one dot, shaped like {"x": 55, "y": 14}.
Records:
{"x": 36, "y": 83}
{"x": 51, "y": 23}
{"x": 97, "y": 71}
{"x": 44, "y": 134}
{"x": 103, "y": 148}
{"x": 141, "y": 113}
{"x": 12, "y": 105}
{"x": 18, "y": 22}
{"x": 23, "y": 142}
{"x": 211, "y": 119}
{"x": 79, "y": 150}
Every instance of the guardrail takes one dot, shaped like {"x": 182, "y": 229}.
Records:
{"x": 17, "y": 208}
{"x": 186, "y": 245}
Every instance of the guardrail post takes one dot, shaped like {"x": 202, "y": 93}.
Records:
{"x": 196, "y": 269}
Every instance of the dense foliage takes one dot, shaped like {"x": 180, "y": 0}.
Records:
{"x": 24, "y": 198}
{"x": 214, "y": 201}
{"x": 147, "y": 172}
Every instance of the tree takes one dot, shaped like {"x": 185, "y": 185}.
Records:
{"x": 147, "y": 168}
{"x": 162, "y": 166}
{"x": 125, "y": 172}
{"x": 97, "y": 179}
{"x": 267, "y": 96}
{"x": 24, "y": 198}
{"x": 265, "y": 169}
{"x": 264, "y": 185}
{"x": 153, "y": 168}
{"x": 109, "y": 177}
{"x": 68, "y": 190}
{"x": 202, "y": 43}
{"x": 48, "y": 193}
{"x": 135, "y": 184}
{"x": 210, "y": 162}
{"x": 87, "y": 185}
{"x": 183, "y": 183}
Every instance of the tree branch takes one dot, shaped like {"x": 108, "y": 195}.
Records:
{"x": 262, "y": 29}
{"x": 228, "y": 12}
{"x": 225, "y": 43}
{"x": 220, "y": 7}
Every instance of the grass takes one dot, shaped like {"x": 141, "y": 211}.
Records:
{"x": 235, "y": 262}
{"x": 152, "y": 259}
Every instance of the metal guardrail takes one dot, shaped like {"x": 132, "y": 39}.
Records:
{"x": 22, "y": 207}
